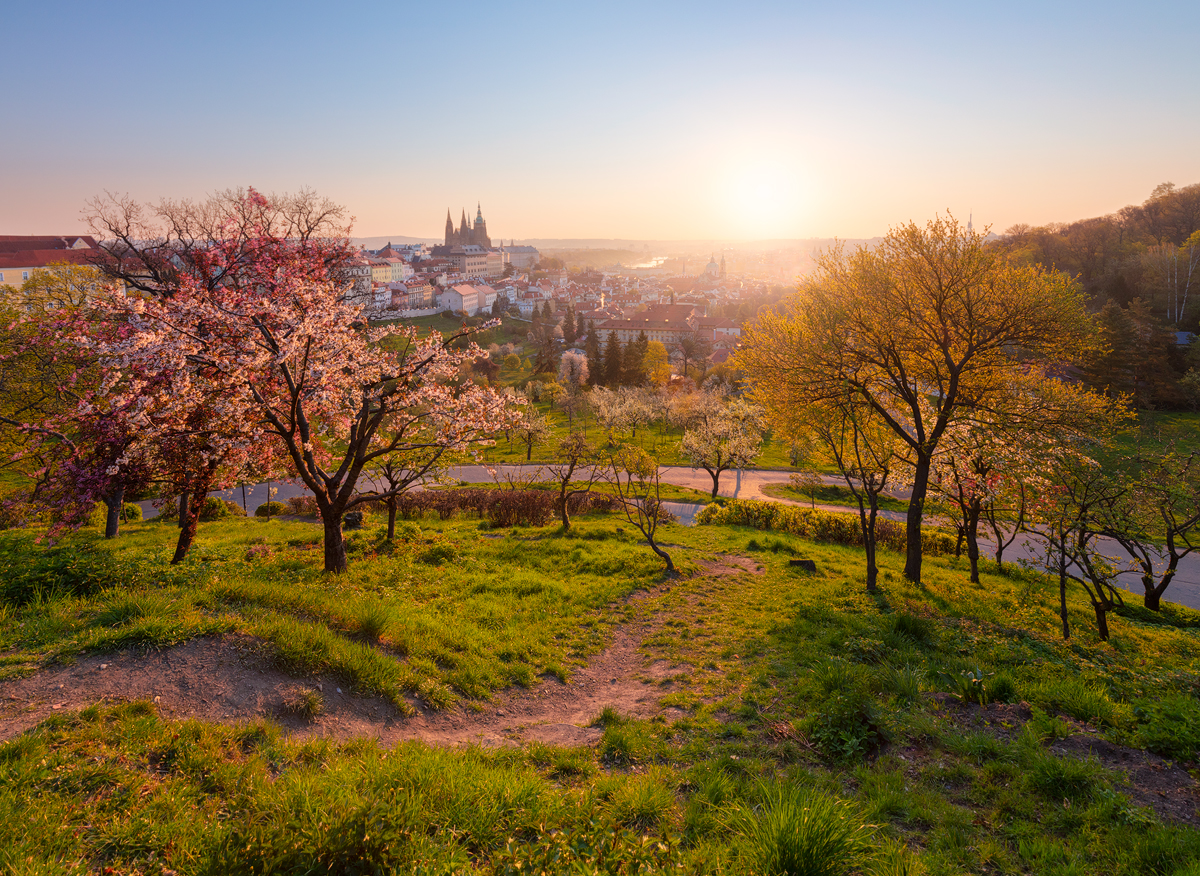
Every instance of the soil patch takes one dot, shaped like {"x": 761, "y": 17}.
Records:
{"x": 730, "y": 564}
{"x": 1151, "y": 781}
{"x": 230, "y": 679}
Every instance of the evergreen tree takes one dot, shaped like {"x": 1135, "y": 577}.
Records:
{"x": 547, "y": 313}
{"x": 570, "y": 333}
{"x": 633, "y": 372}
{"x": 591, "y": 349}
{"x": 612, "y": 361}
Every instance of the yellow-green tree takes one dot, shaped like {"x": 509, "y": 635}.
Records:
{"x": 930, "y": 324}
{"x": 59, "y": 286}
{"x": 656, "y": 364}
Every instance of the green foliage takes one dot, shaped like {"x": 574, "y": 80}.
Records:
{"x": 970, "y": 686}
{"x": 73, "y": 567}
{"x": 847, "y": 725}
{"x": 1077, "y": 698}
{"x": 216, "y": 508}
{"x": 1064, "y": 778}
{"x": 271, "y": 509}
{"x": 818, "y": 525}
{"x": 801, "y": 832}
{"x": 794, "y": 681}
{"x": 1169, "y": 725}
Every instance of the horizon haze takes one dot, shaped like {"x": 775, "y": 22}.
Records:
{"x": 684, "y": 122}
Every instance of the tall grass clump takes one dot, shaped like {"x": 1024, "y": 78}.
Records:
{"x": 802, "y": 832}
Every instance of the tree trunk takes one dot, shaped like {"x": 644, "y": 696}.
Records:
{"x": 189, "y": 523}
{"x": 335, "y": 548}
{"x": 1152, "y": 601}
{"x": 529, "y": 451}
{"x": 663, "y": 554}
{"x": 716, "y": 476}
{"x": 1101, "y": 621}
{"x": 1062, "y": 585}
{"x": 184, "y": 501}
{"x": 916, "y": 510}
{"x": 112, "y": 517}
{"x": 972, "y": 529}
{"x": 562, "y": 510}
{"x": 391, "y": 535}
{"x": 867, "y": 524}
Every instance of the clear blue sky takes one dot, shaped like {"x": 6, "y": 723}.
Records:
{"x": 637, "y": 120}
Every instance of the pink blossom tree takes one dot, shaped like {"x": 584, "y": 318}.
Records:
{"x": 274, "y": 355}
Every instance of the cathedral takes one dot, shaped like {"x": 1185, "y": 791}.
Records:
{"x": 468, "y": 235}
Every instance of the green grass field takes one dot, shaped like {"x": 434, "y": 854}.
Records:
{"x": 828, "y": 494}
{"x": 811, "y": 725}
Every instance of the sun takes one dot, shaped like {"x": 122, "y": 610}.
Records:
{"x": 762, "y": 198}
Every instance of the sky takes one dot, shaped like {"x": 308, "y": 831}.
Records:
{"x": 640, "y": 120}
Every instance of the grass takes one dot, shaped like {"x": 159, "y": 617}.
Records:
{"x": 828, "y": 494}
{"x": 805, "y": 736}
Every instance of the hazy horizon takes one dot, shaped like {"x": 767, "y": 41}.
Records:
{"x": 684, "y": 122}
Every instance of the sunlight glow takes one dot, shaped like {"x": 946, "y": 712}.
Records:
{"x": 763, "y": 198}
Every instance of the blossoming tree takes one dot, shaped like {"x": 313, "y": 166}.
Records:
{"x": 281, "y": 360}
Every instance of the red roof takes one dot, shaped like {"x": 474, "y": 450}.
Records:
{"x": 27, "y": 243}
{"x": 39, "y": 258}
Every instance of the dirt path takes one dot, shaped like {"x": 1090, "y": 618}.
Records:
{"x": 231, "y": 680}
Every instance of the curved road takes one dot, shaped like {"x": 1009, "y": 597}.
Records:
{"x": 748, "y": 484}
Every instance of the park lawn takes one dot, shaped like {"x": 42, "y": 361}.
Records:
{"x": 1158, "y": 429}
{"x": 828, "y": 494}
{"x": 788, "y": 690}
{"x": 666, "y": 492}
{"x": 664, "y": 443}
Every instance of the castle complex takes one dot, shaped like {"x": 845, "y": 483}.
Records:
{"x": 468, "y": 235}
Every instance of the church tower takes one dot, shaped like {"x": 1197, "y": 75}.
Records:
{"x": 450, "y": 241}
{"x": 722, "y": 266}
{"x": 479, "y": 235}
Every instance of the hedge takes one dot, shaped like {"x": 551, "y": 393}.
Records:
{"x": 820, "y": 525}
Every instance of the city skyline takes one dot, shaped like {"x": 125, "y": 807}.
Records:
{"x": 668, "y": 122}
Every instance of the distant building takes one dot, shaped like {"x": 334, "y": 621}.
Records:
{"x": 468, "y": 235}
{"x": 522, "y": 258}
{"x": 21, "y": 255}
{"x": 461, "y": 299}
{"x": 469, "y": 260}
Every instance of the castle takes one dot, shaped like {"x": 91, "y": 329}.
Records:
{"x": 468, "y": 235}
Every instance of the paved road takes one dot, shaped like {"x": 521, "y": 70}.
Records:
{"x": 748, "y": 484}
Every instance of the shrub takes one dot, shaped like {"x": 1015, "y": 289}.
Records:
{"x": 270, "y": 509}
{"x": 215, "y": 508}
{"x": 303, "y": 506}
{"x": 802, "y": 831}
{"x": 130, "y": 513}
{"x": 846, "y": 725}
{"x": 818, "y": 525}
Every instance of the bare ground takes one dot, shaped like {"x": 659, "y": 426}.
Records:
{"x": 230, "y": 679}
{"x": 1165, "y": 786}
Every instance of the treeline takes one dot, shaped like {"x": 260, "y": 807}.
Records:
{"x": 1140, "y": 268}
{"x": 1149, "y": 251}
